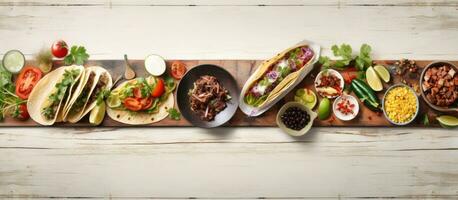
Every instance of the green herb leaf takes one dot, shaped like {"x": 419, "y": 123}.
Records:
{"x": 77, "y": 56}
{"x": 363, "y": 61}
{"x": 174, "y": 114}
{"x": 325, "y": 62}
{"x": 344, "y": 52}
{"x": 102, "y": 95}
{"x": 425, "y": 120}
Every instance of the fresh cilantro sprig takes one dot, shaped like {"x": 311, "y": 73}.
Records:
{"x": 345, "y": 54}
{"x": 77, "y": 56}
{"x": 174, "y": 114}
{"x": 102, "y": 95}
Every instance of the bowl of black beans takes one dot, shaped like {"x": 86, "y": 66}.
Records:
{"x": 295, "y": 118}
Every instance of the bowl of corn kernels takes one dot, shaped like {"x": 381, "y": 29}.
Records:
{"x": 400, "y": 104}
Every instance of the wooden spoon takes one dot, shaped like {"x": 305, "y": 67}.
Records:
{"x": 129, "y": 73}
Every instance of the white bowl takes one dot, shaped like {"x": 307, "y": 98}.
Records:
{"x": 340, "y": 115}
{"x": 292, "y": 132}
{"x": 331, "y": 72}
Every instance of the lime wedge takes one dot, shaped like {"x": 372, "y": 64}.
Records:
{"x": 373, "y": 80}
{"x": 448, "y": 121}
{"x": 306, "y": 97}
{"x": 382, "y": 72}
{"x": 324, "y": 109}
{"x": 113, "y": 101}
{"x": 97, "y": 114}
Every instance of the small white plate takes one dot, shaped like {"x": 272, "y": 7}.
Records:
{"x": 330, "y": 72}
{"x": 339, "y": 114}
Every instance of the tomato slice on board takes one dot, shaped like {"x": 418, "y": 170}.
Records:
{"x": 26, "y": 80}
{"x": 178, "y": 69}
{"x": 132, "y": 104}
{"x": 146, "y": 103}
{"x": 159, "y": 89}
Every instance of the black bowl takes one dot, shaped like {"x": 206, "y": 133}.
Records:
{"x": 187, "y": 83}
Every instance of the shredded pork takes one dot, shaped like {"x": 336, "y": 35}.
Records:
{"x": 208, "y": 97}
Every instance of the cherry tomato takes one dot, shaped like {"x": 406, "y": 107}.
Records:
{"x": 23, "y": 113}
{"x": 26, "y": 80}
{"x": 178, "y": 70}
{"x": 159, "y": 89}
{"x": 137, "y": 93}
{"x": 59, "y": 49}
{"x": 146, "y": 103}
{"x": 132, "y": 104}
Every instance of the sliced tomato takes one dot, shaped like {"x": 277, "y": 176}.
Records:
{"x": 159, "y": 89}
{"x": 146, "y": 103}
{"x": 23, "y": 114}
{"x": 132, "y": 104}
{"x": 178, "y": 70}
{"x": 26, "y": 80}
{"x": 137, "y": 92}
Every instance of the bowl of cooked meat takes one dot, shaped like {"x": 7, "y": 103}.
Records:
{"x": 207, "y": 96}
{"x": 439, "y": 86}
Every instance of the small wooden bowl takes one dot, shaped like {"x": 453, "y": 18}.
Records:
{"x": 436, "y": 64}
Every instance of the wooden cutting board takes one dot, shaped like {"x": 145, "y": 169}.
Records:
{"x": 241, "y": 69}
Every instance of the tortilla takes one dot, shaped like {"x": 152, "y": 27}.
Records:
{"x": 285, "y": 83}
{"x": 88, "y": 106}
{"x": 39, "y": 97}
{"x": 141, "y": 118}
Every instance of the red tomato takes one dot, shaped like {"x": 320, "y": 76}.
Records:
{"x": 178, "y": 70}
{"x": 132, "y": 104}
{"x": 23, "y": 113}
{"x": 146, "y": 103}
{"x": 59, "y": 49}
{"x": 159, "y": 89}
{"x": 137, "y": 93}
{"x": 26, "y": 80}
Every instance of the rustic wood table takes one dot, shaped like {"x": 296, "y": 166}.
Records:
{"x": 235, "y": 163}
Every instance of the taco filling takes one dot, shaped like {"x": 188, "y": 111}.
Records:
{"x": 61, "y": 91}
{"x": 141, "y": 95}
{"x": 293, "y": 61}
{"x": 79, "y": 103}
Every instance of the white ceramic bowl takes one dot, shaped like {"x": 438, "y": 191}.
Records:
{"x": 330, "y": 72}
{"x": 339, "y": 114}
{"x": 292, "y": 132}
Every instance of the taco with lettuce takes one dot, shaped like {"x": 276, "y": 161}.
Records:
{"x": 276, "y": 74}
{"x": 95, "y": 84}
{"x": 52, "y": 94}
{"x": 141, "y": 101}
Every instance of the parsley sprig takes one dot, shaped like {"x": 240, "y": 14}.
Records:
{"x": 345, "y": 54}
{"x": 77, "y": 56}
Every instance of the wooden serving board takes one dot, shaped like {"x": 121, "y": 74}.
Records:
{"x": 241, "y": 70}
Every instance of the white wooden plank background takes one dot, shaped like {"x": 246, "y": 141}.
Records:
{"x": 229, "y": 163}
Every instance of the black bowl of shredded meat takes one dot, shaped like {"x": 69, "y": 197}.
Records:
{"x": 207, "y": 96}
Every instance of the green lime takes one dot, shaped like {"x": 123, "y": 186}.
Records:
{"x": 113, "y": 100}
{"x": 306, "y": 97}
{"x": 324, "y": 109}
{"x": 382, "y": 72}
{"x": 97, "y": 114}
{"x": 448, "y": 121}
{"x": 373, "y": 80}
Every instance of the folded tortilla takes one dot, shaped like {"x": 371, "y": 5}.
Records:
{"x": 285, "y": 83}
{"x": 39, "y": 97}
{"x": 141, "y": 118}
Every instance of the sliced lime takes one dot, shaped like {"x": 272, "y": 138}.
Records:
{"x": 383, "y": 73}
{"x": 113, "y": 101}
{"x": 373, "y": 80}
{"x": 306, "y": 97}
{"x": 448, "y": 121}
{"x": 97, "y": 114}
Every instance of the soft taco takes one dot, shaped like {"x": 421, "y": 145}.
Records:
{"x": 276, "y": 74}
{"x": 93, "y": 86}
{"x": 141, "y": 101}
{"x": 52, "y": 94}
